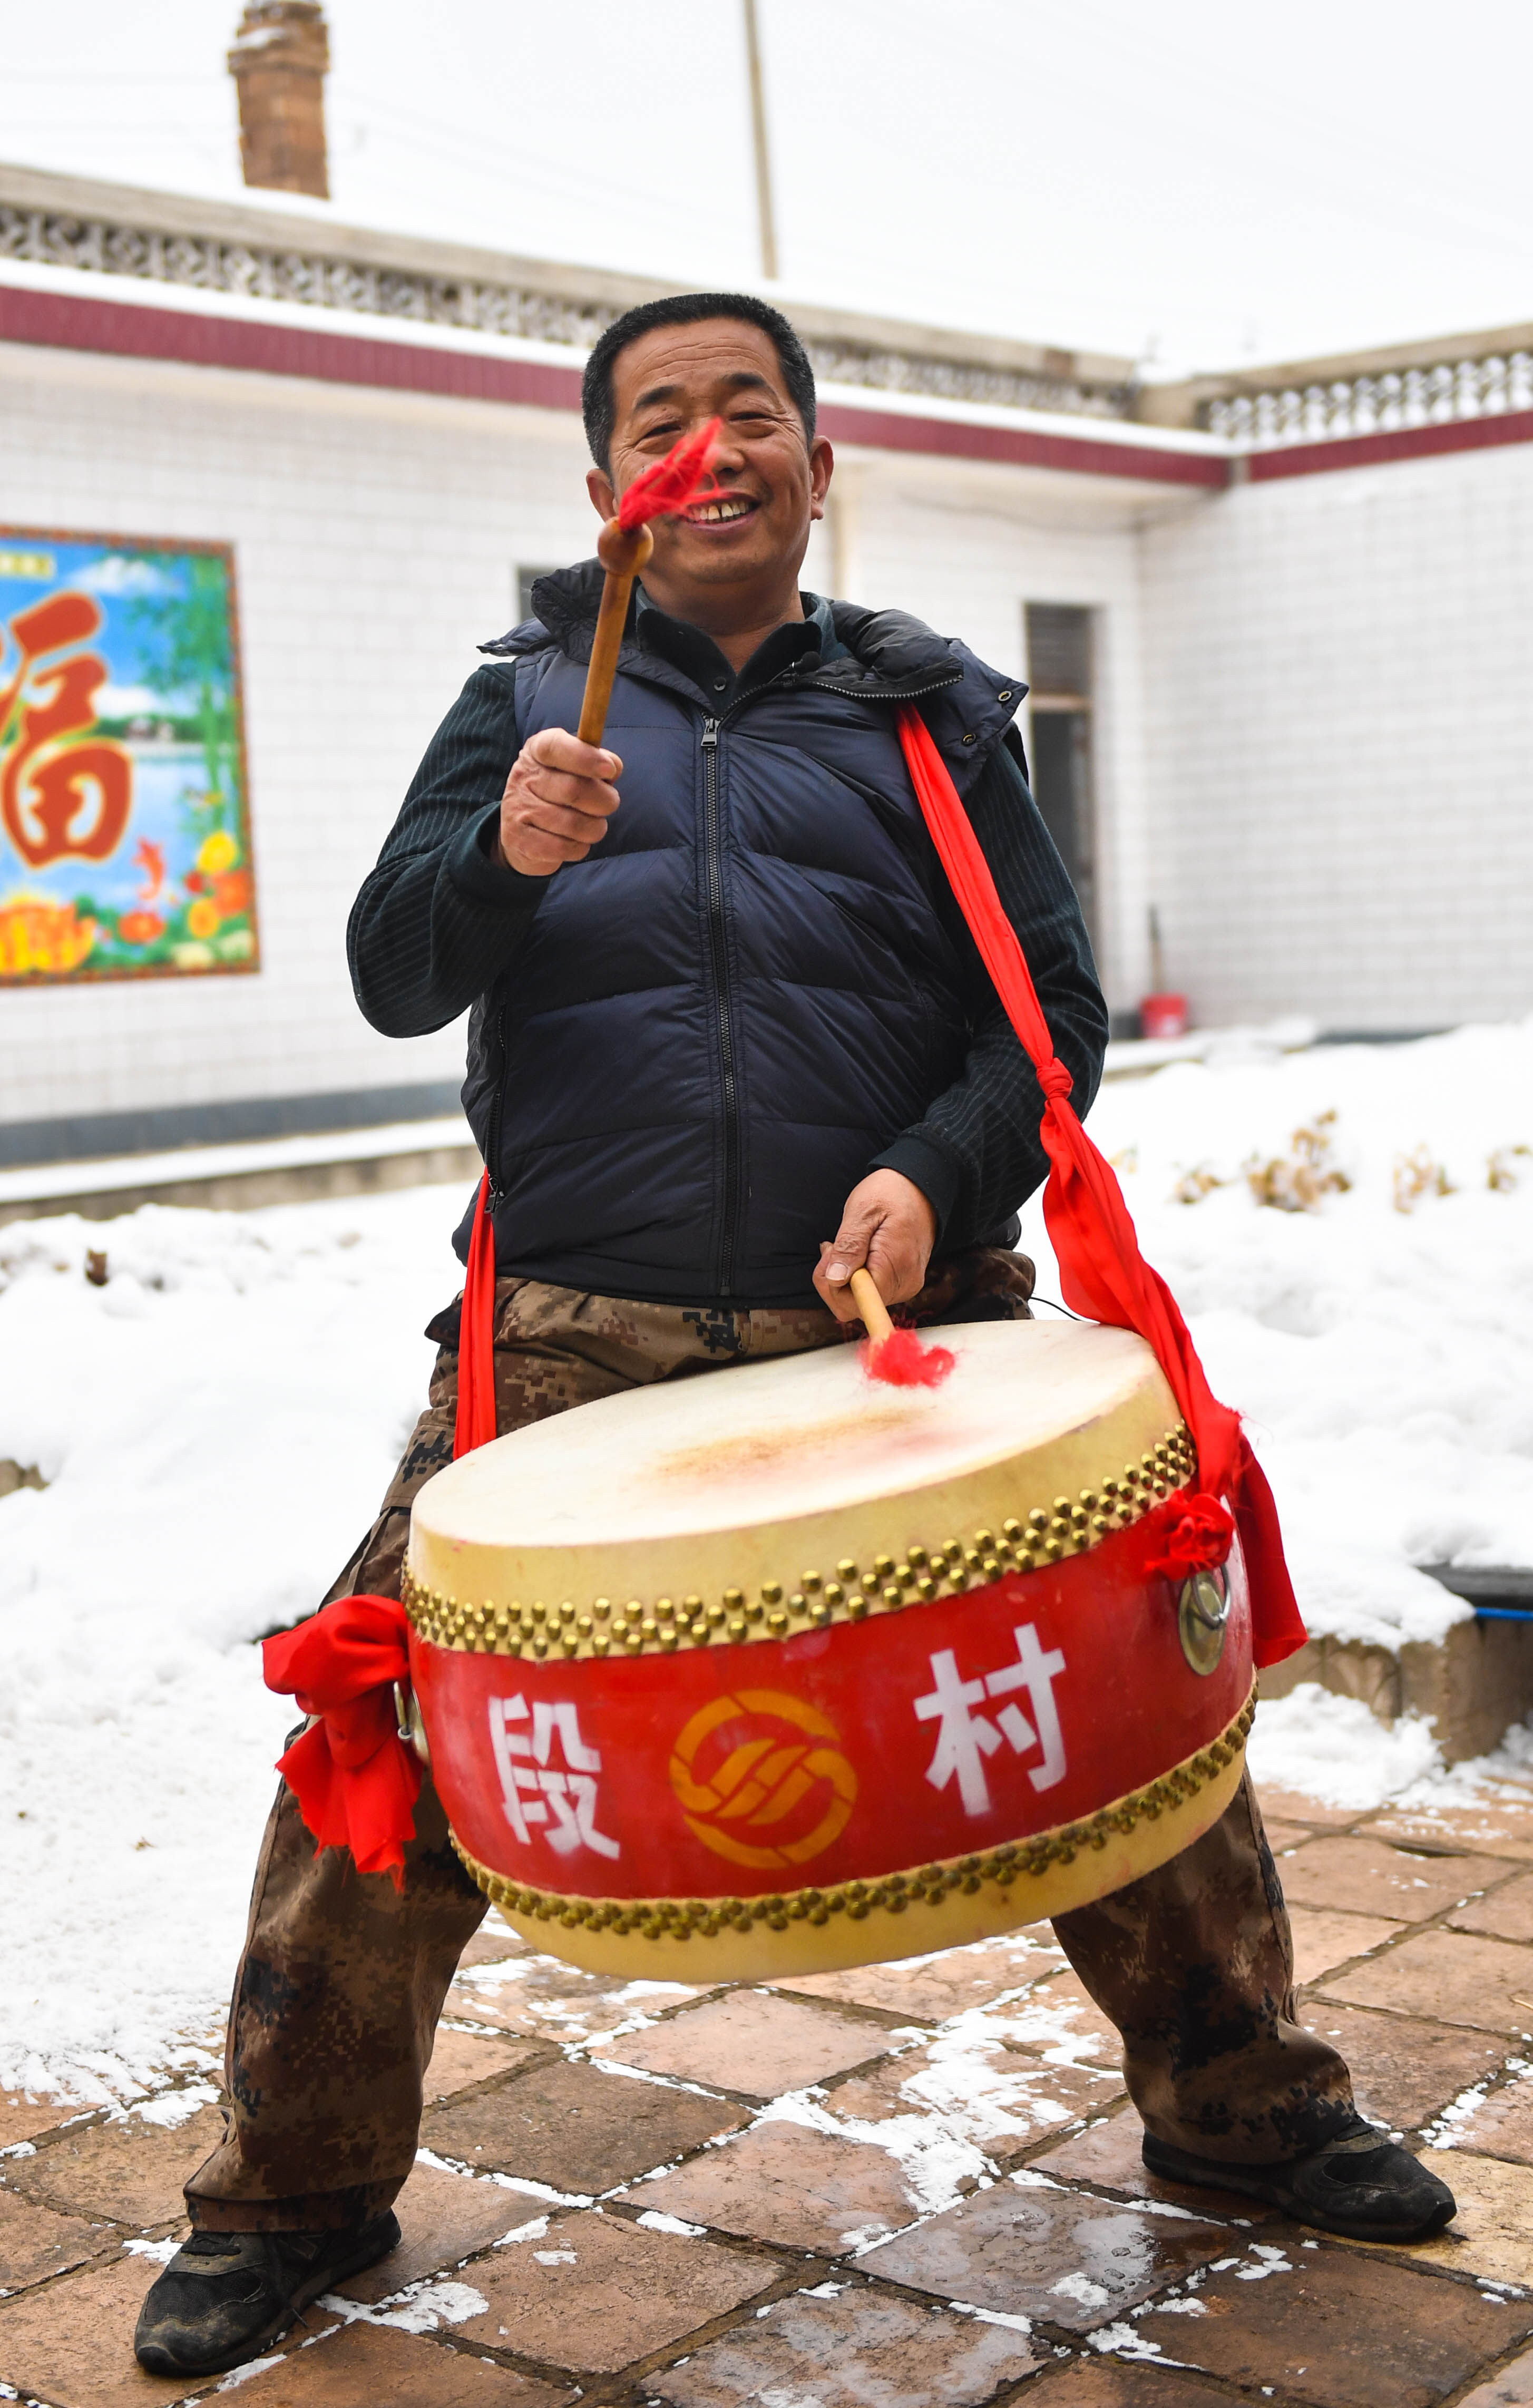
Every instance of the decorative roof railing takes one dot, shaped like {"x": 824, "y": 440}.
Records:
{"x": 115, "y": 245}
{"x": 269, "y": 272}
{"x": 1372, "y": 403}
{"x": 889, "y": 371}
{"x": 266, "y": 254}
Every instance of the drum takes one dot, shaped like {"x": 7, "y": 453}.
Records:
{"x": 772, "y": 1670}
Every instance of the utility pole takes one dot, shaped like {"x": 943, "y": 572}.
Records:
{"x": 764, "y": 159}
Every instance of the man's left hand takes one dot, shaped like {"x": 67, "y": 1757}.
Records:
{"x": 887, "y": 1228}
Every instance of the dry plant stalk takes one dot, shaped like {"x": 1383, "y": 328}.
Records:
{"x": 1195, "y": 1184}
{"x": 1300, "y": 1181}
{"x": 1417, "y": 1176}
{"x": 1501, "y": 1176}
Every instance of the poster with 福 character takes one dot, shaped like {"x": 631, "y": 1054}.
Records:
{"x": 124, "y": 816}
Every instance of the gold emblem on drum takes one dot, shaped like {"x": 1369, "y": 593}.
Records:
{"x": 786, "y": 1766}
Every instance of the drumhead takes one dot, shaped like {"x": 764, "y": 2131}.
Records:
{"x": 774, "y": 1473}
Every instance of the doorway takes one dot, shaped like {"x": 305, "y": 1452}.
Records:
{"x": 1059, "y": 674}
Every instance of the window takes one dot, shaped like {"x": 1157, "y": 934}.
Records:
{"x": 1059, "y": 673}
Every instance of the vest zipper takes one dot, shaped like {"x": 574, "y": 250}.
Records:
{"x": 822, "y": 682}
{"x": 718, "y": 949}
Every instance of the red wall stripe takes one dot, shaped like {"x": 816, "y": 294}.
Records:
{"x": 1083, "y": 455}
{"x": 140, "y": 332}
{"x": 1402, "y": 443}
{"x": 132, "y": 331}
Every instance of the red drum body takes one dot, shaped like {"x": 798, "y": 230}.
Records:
{"x": 943, "y": 1697}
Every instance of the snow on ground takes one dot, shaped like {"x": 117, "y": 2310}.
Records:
{"x": 216, "y": 1425}
{"x": 1332, "y": 1749}
{"x": 1383, "y": 1359}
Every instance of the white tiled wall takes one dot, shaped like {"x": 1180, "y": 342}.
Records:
{"x": 1313, "y": 717}
{"x": 375, "y": 538}
{"x": 1339, "y": 740}
{"x": 967, "y": 550}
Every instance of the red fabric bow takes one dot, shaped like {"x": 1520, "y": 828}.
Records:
{"x": 355, "y": 1781}
{"x": 1196, "y": 1534}
{"x": 1101, "y": 1269}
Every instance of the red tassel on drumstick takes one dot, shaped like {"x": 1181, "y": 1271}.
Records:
{"x": 896, "y": 1356}
{"x": 624, "y": 547}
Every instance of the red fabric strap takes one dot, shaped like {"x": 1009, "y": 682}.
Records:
{"x": 1101, "y": 1269}
{"x": 475, "y": 1421}
{"x": 356, "y": 1782}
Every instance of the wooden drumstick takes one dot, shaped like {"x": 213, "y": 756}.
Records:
{"x": 622, "y": 552}
{"x": 871, "y": 1309}
{"x": 624, "y": 548}
{"x": 896, "y": 1356}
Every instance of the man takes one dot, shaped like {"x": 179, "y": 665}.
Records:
{"x": 721, "y": 1002}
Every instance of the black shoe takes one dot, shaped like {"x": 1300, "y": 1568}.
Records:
{"x": 225, "y": 2294}
{"x": 1359, "y": 2186}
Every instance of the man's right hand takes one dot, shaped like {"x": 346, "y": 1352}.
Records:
{"x": 557, "y": 802}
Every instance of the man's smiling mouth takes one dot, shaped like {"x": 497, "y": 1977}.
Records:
{"x": 722, "y": 510}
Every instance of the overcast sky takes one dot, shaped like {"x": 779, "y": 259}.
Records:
{"x": 1188, "y": 184}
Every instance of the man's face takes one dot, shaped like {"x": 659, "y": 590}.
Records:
{"x": 768, "y": 482}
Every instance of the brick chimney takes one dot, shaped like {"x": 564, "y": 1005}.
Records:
{"x": 279, "y": 60}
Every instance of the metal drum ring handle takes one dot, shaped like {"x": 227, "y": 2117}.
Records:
{"x": 408, "y": 1718}
{"x": 1203, "y": 1619}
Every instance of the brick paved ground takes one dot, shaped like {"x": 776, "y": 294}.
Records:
{"x": 916, "y": 2187}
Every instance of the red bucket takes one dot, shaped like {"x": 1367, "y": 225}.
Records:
{"x": 1163, "y": 1015}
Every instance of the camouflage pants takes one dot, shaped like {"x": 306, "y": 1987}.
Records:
{"x": 343, "y": 1977}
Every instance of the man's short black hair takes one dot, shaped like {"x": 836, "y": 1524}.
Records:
{"x": 688, "y": 309}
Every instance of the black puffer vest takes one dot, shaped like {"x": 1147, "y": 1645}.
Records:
{"x": 744, "y": 992}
